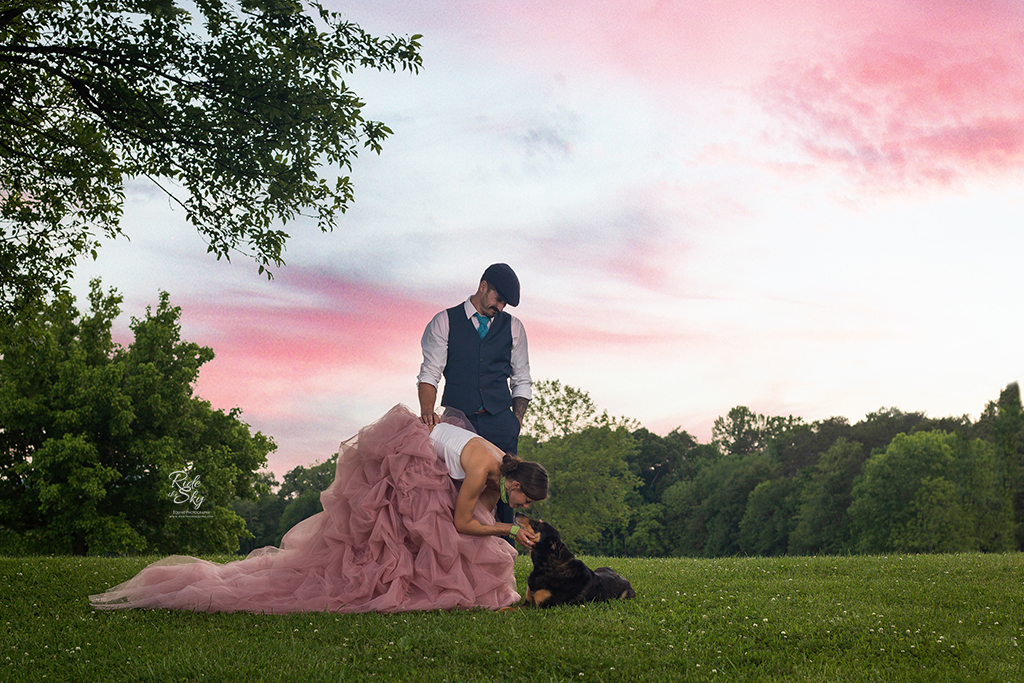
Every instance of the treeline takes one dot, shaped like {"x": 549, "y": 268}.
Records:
{"x": 893, "y": 482}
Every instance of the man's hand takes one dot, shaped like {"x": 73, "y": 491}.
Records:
{"x": 427, "y": 394}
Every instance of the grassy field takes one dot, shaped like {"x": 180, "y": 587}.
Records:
{"x": 897, "y": 618}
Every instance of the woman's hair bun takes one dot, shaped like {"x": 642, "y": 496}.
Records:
{"x": 510, "y": 463}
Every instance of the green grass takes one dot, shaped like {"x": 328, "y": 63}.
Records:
{"x": 897, "y": 618}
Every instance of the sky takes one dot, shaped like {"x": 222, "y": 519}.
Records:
{"x": 809, "y": 208}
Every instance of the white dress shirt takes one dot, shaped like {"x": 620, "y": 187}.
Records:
{"x": 435, "y": 352}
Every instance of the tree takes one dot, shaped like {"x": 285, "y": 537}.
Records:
{"x": 660, "y": 461}
{"x": 300, "y": 480}
{"x": 301, "y": 493}
{"x": 104, "y": 448}
{"x": 646, "y": 536}
{"x": 590, "y": 482}
{"x": 879, "y": 428}
{"x": 269, "y": 517}
{"x": 587, "y": 455}
{"x": 937, "y": 525}
{"x": 768, "y": 518}
{"x": 898, "y": 501}
{"x": 261, "y": 515}
{"x": 705, "y": 513}
{"x": 733, "y": 479}
{"x": 1008, "y": 436}
{"x": 822, "y": 524}
{"x": 236, "y": 109}
{"x": 740, "y": 432}
{"x": 984, "y": 495}
{"x": 743, "y": 431}
{"x": 557, "y": 410}
{"x": 802, "y": 445}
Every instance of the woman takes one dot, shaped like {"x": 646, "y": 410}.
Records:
{"x": 487, "y": 475}
{"x": 408, "y": 524}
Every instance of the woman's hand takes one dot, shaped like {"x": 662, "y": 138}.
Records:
{"x": 526, "y": 538}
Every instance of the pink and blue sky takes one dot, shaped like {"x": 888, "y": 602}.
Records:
{"x": 809, "y": 208}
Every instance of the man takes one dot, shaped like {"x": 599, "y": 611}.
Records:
{"x": 482, "y": 353}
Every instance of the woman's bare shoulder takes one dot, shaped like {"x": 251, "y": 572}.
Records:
{"x": 481, "y": 452}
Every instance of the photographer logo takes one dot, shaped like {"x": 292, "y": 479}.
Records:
{"x": 186, "y": 492}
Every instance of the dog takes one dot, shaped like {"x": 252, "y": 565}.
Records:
{"x": 558, "y": 578}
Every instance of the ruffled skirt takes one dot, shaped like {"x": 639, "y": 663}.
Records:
{"x": 385, "y": 542}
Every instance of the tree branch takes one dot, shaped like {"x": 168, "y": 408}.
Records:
{"x": 9, "y": 15}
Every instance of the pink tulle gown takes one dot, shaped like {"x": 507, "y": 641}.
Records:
{"x": 385, "y": 542}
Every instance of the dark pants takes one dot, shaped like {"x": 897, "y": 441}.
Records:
{"x": 503, "y": 431}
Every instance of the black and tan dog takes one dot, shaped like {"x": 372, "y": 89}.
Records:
{"x": 558, "y": 578}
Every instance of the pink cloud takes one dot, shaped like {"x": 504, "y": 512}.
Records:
{"x": 925, "y": 105}
{"x": 888, "y": 91}
{"x": 628, "y": 250}
{"x": 640, "y": 237}
{"x": 651, "y": 41}
{"x": 270, "y": 351}
{"x": 593, "y": 334}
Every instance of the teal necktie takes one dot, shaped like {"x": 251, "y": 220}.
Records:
{"x": 484, "y": 320}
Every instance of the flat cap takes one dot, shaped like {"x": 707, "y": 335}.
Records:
{"x": 503, "y": 278}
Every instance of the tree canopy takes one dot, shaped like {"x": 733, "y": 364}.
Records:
{"x": 104, "y": 448}
{"x": 590, "y": 481}
{"x": 236, "y": 109}
{"x": 932, "y": 492}
{"x": 558, "y": 410}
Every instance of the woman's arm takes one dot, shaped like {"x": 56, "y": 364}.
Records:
{"x": 478, "y": 462}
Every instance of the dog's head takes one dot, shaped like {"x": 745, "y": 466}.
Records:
{"x": 525, "y": 522}
{"x": 549, "y": 544}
